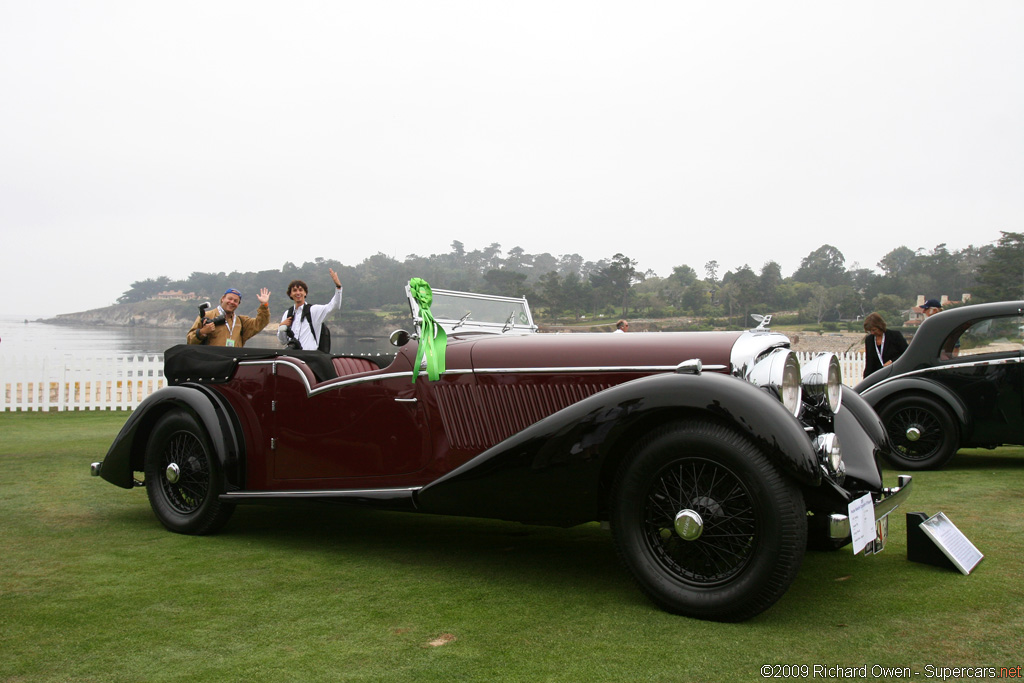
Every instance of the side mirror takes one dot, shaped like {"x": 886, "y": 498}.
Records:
{"x": 399, "y": 338}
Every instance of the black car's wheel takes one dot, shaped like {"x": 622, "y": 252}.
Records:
{"x": 706, "y": 524}
{"x": 922, "y": 432}
{"x": 183, "y": 477}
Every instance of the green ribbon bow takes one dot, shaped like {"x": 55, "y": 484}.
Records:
{"x": 433, "y": 340}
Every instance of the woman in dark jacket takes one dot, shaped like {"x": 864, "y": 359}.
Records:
{"x": 881, "y": 346}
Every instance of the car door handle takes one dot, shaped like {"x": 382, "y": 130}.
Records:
{"x": 406, "y": 400}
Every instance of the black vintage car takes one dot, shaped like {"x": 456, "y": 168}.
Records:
{"x": 959, "y": 384}
{"x": 714, "y": 457}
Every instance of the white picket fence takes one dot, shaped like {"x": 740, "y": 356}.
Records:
{"x": 121, "y": 382}
{"x": 67, "y": 382}
{"x": 850, "y": 362}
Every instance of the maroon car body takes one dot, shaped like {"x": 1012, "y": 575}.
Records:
{"x": 711, "y": 477}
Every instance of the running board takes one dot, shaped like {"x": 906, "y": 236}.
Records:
{"x": 389, "y": 499}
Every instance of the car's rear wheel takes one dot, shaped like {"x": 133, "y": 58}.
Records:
{"x": 183, "y": 477}
{"x": 922, "y": 432}
{"x": 707, "y": 525}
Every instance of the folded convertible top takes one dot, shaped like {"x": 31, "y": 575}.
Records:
{"x": 215, "y": 364}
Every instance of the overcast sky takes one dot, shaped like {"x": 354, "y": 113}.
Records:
{"x": 140, "y": 139}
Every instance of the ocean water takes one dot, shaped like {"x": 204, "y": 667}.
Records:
{"x": 18, "y": 337}
{"x": 21, "y": 338}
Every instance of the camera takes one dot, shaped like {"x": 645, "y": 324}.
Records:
{"x": 219, "y": 320}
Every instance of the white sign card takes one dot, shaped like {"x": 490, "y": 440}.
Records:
{"x": 952, "y": 542}
{"x": 862, "y": 522}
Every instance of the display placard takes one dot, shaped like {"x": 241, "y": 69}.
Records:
{"x": 952, "y": 542}
{"x": 862, "y": 522}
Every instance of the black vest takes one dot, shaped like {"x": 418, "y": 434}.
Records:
{"x": 323, "y": 339}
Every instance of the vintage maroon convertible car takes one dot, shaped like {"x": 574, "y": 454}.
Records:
{"x": 713, "y": 461}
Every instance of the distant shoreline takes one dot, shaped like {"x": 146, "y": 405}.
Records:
{"x": 165, "y": 315}
{"x": 271, "y": 327}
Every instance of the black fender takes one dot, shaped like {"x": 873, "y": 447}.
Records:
{"x": 551, "y": 472}
{"x": 863, "y": 439}
{"x": 127, "y": 454}
{"x": 878, "y": 394}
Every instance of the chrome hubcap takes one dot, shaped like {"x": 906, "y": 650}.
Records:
{"x": 173, "y": 473}
{"x": 913, "y": 433}
{"x": 689, "y": 525}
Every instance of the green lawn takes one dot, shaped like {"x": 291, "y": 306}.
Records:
{"x": 93, "y": 588}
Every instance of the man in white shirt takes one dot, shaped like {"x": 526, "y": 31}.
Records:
{"x": 304, "y": 325}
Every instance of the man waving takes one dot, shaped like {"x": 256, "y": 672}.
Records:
{"x": 303, "y": 322}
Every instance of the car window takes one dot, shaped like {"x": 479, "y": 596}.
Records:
{"x": 991, "y": 335}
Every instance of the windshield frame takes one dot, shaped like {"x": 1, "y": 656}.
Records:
{"x": 453, "y": 311}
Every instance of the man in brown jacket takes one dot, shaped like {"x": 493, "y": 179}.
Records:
{"x": 235, "y": 330}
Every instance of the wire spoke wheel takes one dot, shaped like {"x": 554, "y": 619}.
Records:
{"x": 191, "y": 465}
{"x": 915, "y": 421}
{"x": 183, "y": 476}
{"x": 704, "y": 522}
{"x": 922, "y": 433}
{"x": 725, "y": 508}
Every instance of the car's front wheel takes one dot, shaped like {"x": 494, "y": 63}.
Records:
{"x": 708, "y": 527}
{"x": 922, "y": 433}
{"x": 183, "y": 477}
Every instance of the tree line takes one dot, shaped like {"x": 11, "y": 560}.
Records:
{"x": 568, "y": 287}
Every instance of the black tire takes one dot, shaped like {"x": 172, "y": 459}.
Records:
{"x": 186, "y": 501}
{"x": 922, "y": 433}
{"x": 753, "y": 522}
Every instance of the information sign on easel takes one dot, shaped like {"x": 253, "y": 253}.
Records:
{"x": 925, "y": 534}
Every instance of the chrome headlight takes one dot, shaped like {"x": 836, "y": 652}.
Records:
{"x": 779, "y": 371}
{"x": 831, "y": 453}
{"x": 823, "y": 381}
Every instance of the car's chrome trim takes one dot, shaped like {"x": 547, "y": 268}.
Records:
{"x": 839, "y": 525}
{"x": 822, "y": 378}
{"x": 690, "y": 367}
{"x": 608, "y": 368}
{"x": 940, "y": 368}
{"x": 751, "y": 346}
{"x": 778, "y": 371}
{"x": 338, "y": 382}
{"x": 321, "y": 493}
{"x": 328, "y": 384}
{"x": 341, "y": 382}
